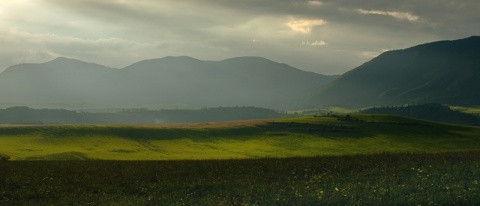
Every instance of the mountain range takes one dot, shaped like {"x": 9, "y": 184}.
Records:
{"x": 446, "y": 72}
{"x": 170, "y": 82}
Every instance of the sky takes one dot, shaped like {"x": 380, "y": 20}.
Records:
{"x": 323, "y": 36}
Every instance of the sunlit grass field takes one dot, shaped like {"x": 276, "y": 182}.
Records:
{"x": 291, "y": 137}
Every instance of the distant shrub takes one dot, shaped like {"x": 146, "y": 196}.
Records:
{"x": 4, "y": 157}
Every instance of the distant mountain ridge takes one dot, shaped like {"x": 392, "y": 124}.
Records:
{"x": 61, "y": 78}
{"x": 446, "y": 72}
{"x": 156, "y": 83}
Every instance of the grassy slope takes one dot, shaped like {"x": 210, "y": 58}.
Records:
{"x": 303, "y": 136}
{"x": 468, "y": 110}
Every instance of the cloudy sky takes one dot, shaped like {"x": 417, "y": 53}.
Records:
{"x": 326, "y": 36}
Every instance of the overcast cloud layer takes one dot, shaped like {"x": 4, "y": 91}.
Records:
{"x": 328, "y": 36}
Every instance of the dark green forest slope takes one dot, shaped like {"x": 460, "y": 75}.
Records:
{"x": 445, "y": 72}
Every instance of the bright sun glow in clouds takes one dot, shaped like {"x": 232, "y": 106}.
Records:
{"x": 315, "y": 3}
{"x": 305, "y": 25}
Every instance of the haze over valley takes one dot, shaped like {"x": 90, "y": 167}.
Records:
{"x": 280, "y": 55}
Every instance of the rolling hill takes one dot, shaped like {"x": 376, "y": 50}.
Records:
{"x": 445, "y": 72}
{"x": 160, "y": 83}
{"x": 287, "y": 137}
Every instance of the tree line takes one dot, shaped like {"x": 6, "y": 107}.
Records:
{"x": 26, "y": 115}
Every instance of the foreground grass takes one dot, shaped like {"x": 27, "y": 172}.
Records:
{"x": 382, "y": 179}
{"x": 302, "y": 136}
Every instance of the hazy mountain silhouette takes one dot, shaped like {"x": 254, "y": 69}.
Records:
{"x": 445, "y": 72}
{"x": 232, "y": 82}
{"x": 165, "y": 82}
{"x": 59, "y": 80}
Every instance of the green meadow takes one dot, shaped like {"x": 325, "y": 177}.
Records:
{"x": 290, "y": 137}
